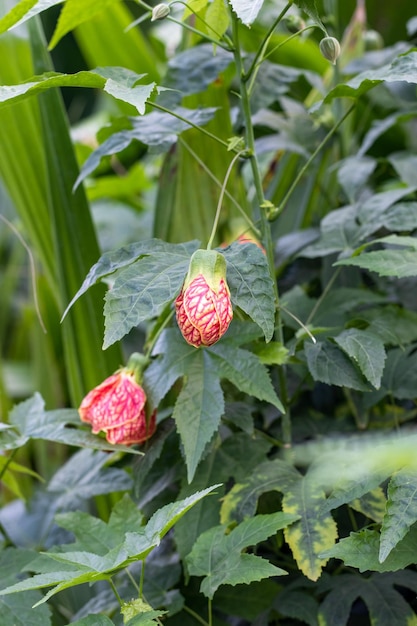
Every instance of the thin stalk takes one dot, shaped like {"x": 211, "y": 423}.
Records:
{"x": 229, "y": 42}
{"x": 265, "y": 227}
{"x": 312, "y": 157}
{"x": 195, "y": 615}
{"x": 142, "y": 579}
{"x": 210, "y": 612}
{"x": 214, "y": 178}
{"x": 220, "y": 202}
{"x": 326, "y": 290}
{"x": 185, "y": 25}
{"x": 261, "y": 51}
{"x": 32, "y": 269}
{"x": 184, "y": 119}
{"x": 133, "y": 581}
{"x": 116, "y": 593}
{"x": 294, "y": 317}
{"x": 6, "y": 465}
{"x": 151, "y": 345}
{"x": 274, "y": 49}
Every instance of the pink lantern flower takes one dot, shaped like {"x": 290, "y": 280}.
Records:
{"x": 203, "y": 308}
{"x": 117, "y": 406}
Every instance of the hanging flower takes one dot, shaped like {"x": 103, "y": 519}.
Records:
{"x": 204, "y": 310}
{"x": 117, "y": 406}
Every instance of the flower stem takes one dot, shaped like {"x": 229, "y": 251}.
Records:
{"x": 116, "y": 593}
{"x": 311, "y": 159}
{"x": 184, "y": 119}
{"x": 220, "y": 202}
{"x": 214, "y": 178}
{"x": 261, "y": 51}
{"x": 263, "y": 204}
{"x": 195, "y": 615}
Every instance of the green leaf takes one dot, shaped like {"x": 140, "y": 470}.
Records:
{"x": 403, "y": 68}
{"x": 393, "y": 324}
{"x": 141, "y": 290}
{"x": 353, "y": 174}
{"x": 328, "y": 364}
{"x": 84, "y": 475}
{"x": 361, "y": 550}
{"x": 247, "y": 10}
{"x": 114, "y": 260}
{"x": 76, "y": 12}
{"x": 371, "y": 504}
{"x": 244, "y": 370}
{"x": 241, "y": 500}
{"x": 199, "y": 408}
{"x": 250, "y": 284}
{"x": 29, "y": 420}
{"x": 315, "y": 531}
{"x": 297, "y": 605}
{"x": 309, "y": 6}
{"x": 401, "y": 511}
{"x": 400, "y": 373}
{"x": 399, "y": 263}
{"x": 217, "y": 17}
{"x": 218, "y": 558}
{"x": 15, "y": 14}
{"x": 367, "y": 350}
{"x": 158, "y": 130}
{"x": 116, "y": 81}
{"x": 234, "y": 458}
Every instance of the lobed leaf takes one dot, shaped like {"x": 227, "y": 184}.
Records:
{"x": 401, "y": 511}
{"x": 403, "y": 68}
{"x": 367, "y": 350}
{"x": 218, "y": 558}
{"x": 247, "y": 10}
{"x": 198, "y": 409}
{"x": 399, "y": 263}
{"x": 314, "y": 531}
{"x": 117, "y": 81}
{"x": 361, "y": 550}
{"x": 250, "y": 284}
{"x": 141, "y": 290}
{"x": 158, "y": 130}
{"x": 245, "y": 371}
{"x": 328, "y": 364}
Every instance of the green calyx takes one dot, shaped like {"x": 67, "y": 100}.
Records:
{"x": 136, "y": 365}
{"x": 211, "y": 264}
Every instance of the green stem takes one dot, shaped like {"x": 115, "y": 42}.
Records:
{"x": 261, "y": 51}
{"x": 214, "y": 178}
{"x": 220, "y": 202}
{"x": 185, "y": 25}
{"x": 210, "y": 612}
{"x": 116, "y": 593}
{"x": 133, "y": 581}
{"x": 229, "y": 43}
{"x": 152, "y": 343}
{"x": 265, "y": 227}
{"x": 142, "y": 579}
{"x": 184, "y": 119}
{"x": 326, "y": 290}
{"x": 7, "y": 463}
{"x": 311, "y": 159}
{"x": 195, "y": 615}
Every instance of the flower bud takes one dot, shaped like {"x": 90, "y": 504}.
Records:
{"x": 159, "y": 12}
{"x": 330, "y": 49}
{"x": 203, "y": 308}
{"x": 117, "y": 407}
{"x": 294, "y": 23}
{"x": 373, "y": 40}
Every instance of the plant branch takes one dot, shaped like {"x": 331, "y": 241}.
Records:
{"x": 184, "y": 119}
{"x": 220, "y": 202}
{"x": 214, "y": 178}
{"x": 311, "y": 159}
{"x": 261, "y": 51}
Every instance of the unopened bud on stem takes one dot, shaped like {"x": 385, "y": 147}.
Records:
{"x": 330, "y": 49}
{"x": 159, "y": 12}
